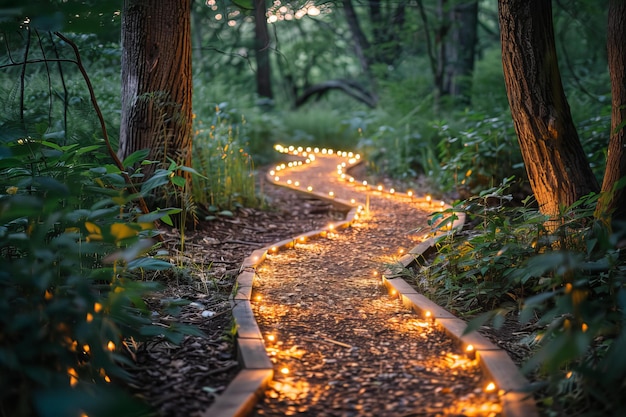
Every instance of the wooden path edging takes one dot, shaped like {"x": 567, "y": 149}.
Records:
{"x": 257, "y": 371}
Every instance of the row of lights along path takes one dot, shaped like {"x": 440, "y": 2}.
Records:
{"x": 339, "y": 344}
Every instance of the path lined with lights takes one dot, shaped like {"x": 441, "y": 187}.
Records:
{"x": 339, "y": 345}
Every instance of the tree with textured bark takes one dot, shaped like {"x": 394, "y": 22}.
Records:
{"x": 156, "y": 81}
{"x": 613, "y": 199}
{"x": 555, "y": 161}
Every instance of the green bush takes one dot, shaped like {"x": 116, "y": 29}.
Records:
{"x": 569, "y": 282}
{"x": 70, "y": 249}
{"x": 73, "y": 248}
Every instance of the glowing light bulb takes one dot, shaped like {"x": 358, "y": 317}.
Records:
{"x": 410, "y": 194}
{"x": 284, "y": 370}
{"x": 297, "y": 183}
{"x": 331, "y": 194}
{"x": 309, "y": 188}
{"x": 271, "y": 338}
{"x": 491, "y": 387}
{"x": 380, "y": 188}
{"x": 470, "y": 352}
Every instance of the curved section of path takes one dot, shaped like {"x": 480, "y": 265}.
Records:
{"x": 330, "y": 340}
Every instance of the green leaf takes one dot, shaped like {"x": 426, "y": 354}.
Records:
{"x": 135, "y": 157}
{"x": 149, "y": 264}
{"x": 179, "y": 181}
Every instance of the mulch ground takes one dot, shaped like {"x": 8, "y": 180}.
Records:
{"x": 346, "y": 348}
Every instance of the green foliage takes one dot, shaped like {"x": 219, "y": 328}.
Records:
{"x": 227, "y": 179}
{"x": 481, "y": 155}
{"x": 72, "y": 247}
{"x": 470, "y": 272}
{"x": 69, "y": 299}
{"x": 567, "y": 277}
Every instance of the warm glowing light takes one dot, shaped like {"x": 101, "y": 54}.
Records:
{"x": 585, "y": 327}
{"x": 274, "y": 249}
{"x": 392, "y": 190}
{"x": 400, "y": 251}
{"x": 271, "y": 338}
{"x": 86, "y": 348}
{"x": 469, "y": 348}
{"x": 89, "y": 318}
{"x": 309, "y": 188}
{"x": 331, "y": 194}
{"x": 375, "y": 273}
{"x": 352, "y": 201}
{"x": 73, "y": 376}
{"x": 111, "y": 346}
{"x": 284, "y": 371}
{"x": 393, "y": 293}
{"x": 302, "y": 239}
{"x": 48, "y": 295}
{"x": 277, "y": 178}
{"x": 428, "y": 198}
{"x": 289, "y": 182}
{"x": 491, "y": 387}
{"x": 428, "y": 314}
{"x": 380, "y": 188}
{"x": 258, "y": 298}
{"x": 364, "y": 182}
{"x": 97, "y": 307}
{"x": 410, "y": 193}
{"x": 272, "y": 172}
{"x": 297, "y": 183}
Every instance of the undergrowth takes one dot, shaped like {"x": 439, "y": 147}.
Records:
{"x": 570, "y": 283}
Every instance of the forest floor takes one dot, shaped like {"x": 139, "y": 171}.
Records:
{"x": 350, "y": 349}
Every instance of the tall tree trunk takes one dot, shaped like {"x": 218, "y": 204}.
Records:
{"x": 361, "y": 45}
{"x": 262, "y": 47}
{"x": 613, "y": 202}
{"x": 461, "y": 49}
{"x": 156, "y": 80}
{"x": 557, "y": 167}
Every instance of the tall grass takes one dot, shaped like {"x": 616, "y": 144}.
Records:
{"x": 227, "y": 171}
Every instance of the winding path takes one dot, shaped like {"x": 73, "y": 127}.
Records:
{"x": 332, "y": 341}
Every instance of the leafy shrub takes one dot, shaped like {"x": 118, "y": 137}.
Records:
{"x": 72, "y": 247}
{"x": 69, "y": 251}
{"x": 471, "y": 271}
{"x": 570, "y": 282}
{"x": 480, "y": 155}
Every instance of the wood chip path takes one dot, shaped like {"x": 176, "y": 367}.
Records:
{"x": 340, "y": 346}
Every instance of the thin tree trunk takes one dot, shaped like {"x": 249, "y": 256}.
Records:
{"x": 613, "y": 202}
{"x": 361, "y": 45}
{"x": 263, "y": 73}
{"x": 461, "y": 49}
{"x": 156, "y": 80}
{"x": 557, "y": 167}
